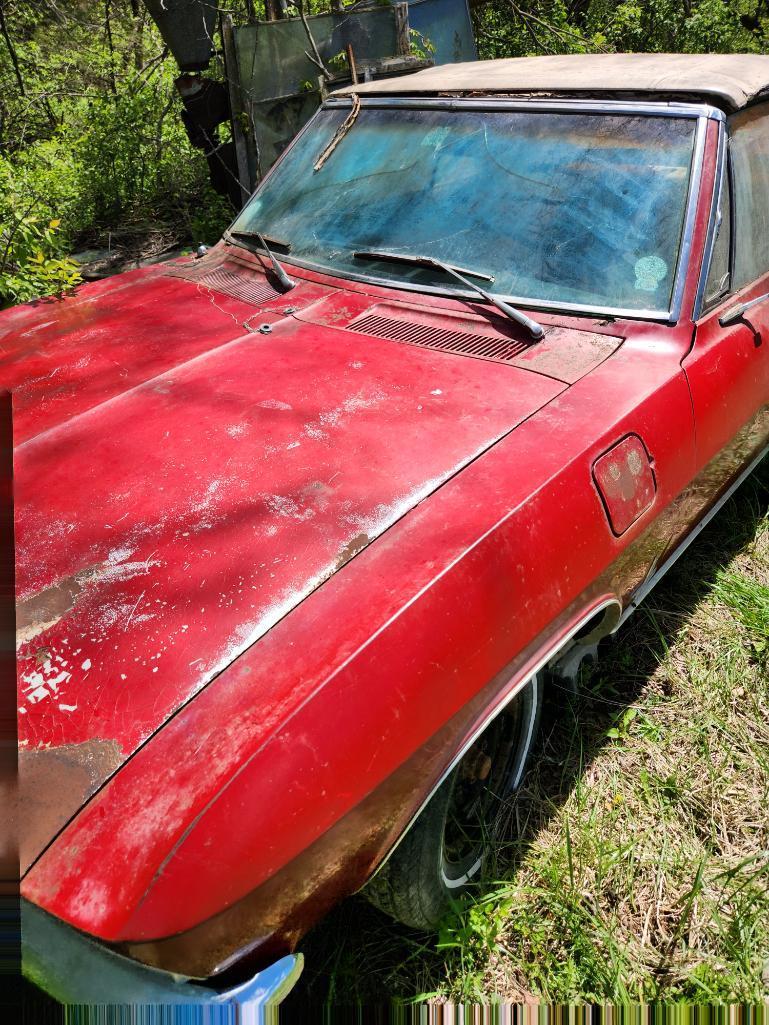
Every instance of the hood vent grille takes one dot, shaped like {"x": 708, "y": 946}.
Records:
{"x": 496, "y": 348}
{"x": 228, "y": 278}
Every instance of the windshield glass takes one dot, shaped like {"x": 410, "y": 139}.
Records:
{"x": 573, "y": 208}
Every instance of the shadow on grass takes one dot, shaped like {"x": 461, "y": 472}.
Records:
{"x": 357, "y": 954}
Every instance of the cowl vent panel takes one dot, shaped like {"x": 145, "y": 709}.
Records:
{"x": 443, "y": 334}
{"x": 227, "y": 277}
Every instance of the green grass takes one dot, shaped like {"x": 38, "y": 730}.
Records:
{"x": 640, "y": 865}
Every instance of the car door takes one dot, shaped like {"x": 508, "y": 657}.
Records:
{"x": 728, "y": 365}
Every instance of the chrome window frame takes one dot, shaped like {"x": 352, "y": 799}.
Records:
{"x": 701, "y": 112}
{"x": 714, "y": 223}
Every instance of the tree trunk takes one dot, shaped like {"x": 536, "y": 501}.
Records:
{"x": 11, "y": 49}
{"x": 111, "y": 44}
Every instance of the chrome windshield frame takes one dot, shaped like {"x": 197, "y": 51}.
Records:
{"x": 700, "y": 112}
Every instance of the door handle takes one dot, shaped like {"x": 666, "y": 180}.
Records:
{"x": 739, "y": 310}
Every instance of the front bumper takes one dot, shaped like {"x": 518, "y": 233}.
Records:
{"x": 74, "y": 969}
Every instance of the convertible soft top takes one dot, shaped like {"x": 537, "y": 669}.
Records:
{"x": 729, "y": 80}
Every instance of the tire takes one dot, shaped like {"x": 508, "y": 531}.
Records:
{"x": 443, "y": 853}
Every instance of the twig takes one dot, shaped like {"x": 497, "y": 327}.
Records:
{"x": 317, "y": 59}
{"x": 537, "y": 42}
{"x": 145, "y": 73}
{"x": 559, "y": 33}
{"x": 339, "y": 134}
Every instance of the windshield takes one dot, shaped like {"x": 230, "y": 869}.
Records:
{"x": 573, "y": 208}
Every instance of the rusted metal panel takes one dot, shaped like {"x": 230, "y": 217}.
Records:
{"x": 54, "y": 783}
{"x": 278, "y": 84}
{"x": 448, "y": 26}
{"x": 63, "y": 359}
{"x": 246, "y": 167}
{"x": 487, "y": 595}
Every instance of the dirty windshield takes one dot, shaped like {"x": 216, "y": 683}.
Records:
{"x": 576, "y": 208}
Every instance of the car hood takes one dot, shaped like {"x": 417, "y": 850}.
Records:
{"x": 162, "y": 527}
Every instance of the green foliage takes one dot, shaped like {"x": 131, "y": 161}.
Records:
{"x": 420, "y": 46}
{"x": 31, "y": 264}
{"x": 208, "y": 221}
{"x": 513, "y": 29}
{"x": 748, "y": 600}
{"x": 89, "y": 117}
{"x": 336, "y": 63}
{"x": 471, "y": 934}
{"x": 133, "y": 157}
{"x": 90, "y": 134}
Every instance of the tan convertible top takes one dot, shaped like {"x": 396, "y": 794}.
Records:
{"x": 730, "y": 80}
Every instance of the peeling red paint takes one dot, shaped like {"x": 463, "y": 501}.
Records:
{"x": 215, "y": 497}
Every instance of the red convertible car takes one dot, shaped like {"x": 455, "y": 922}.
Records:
{"x": 305, "y": 525}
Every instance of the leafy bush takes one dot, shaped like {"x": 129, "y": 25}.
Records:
{"x": 31, "y": 264}
{"x": 91, "y": 137}
{"x": 517, "y": 29}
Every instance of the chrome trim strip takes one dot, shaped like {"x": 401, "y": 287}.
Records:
{"x": 493, "y": 712}
{"x": 714, "y": 222}
{"x": 660, "y": 108}
{"x": 685, "y": 250}
{"x": 643, "y": 591}
{"x": 534, "y": 684}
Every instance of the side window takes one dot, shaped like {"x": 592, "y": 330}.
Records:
{"x": 749, "y": 150}
{"x": 718, "y": 283}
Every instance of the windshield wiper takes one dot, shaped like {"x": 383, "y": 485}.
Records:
{"x": 276, "y": 243}
{"x": 283, "y": 278}
{"x": 535, "y": 330}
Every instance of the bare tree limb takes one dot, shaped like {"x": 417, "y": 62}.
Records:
{"x": 555, "y": 30}
{"x": 316, "y": 59}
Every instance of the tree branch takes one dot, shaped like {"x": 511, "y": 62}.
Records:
{"x": 11, "y": 49}
{"x": 560, "y": 33}
{"x": 316, "y": 59}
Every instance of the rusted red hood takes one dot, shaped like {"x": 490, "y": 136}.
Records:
{"x": 165, "y": 524}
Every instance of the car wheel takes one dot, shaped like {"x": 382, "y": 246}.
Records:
{"x": 443, "y": 853}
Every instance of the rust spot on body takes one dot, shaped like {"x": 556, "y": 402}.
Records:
{"x": 44, "y": 610}
{"x": 351, "y": 549}
{"x": 54, "y": 783}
